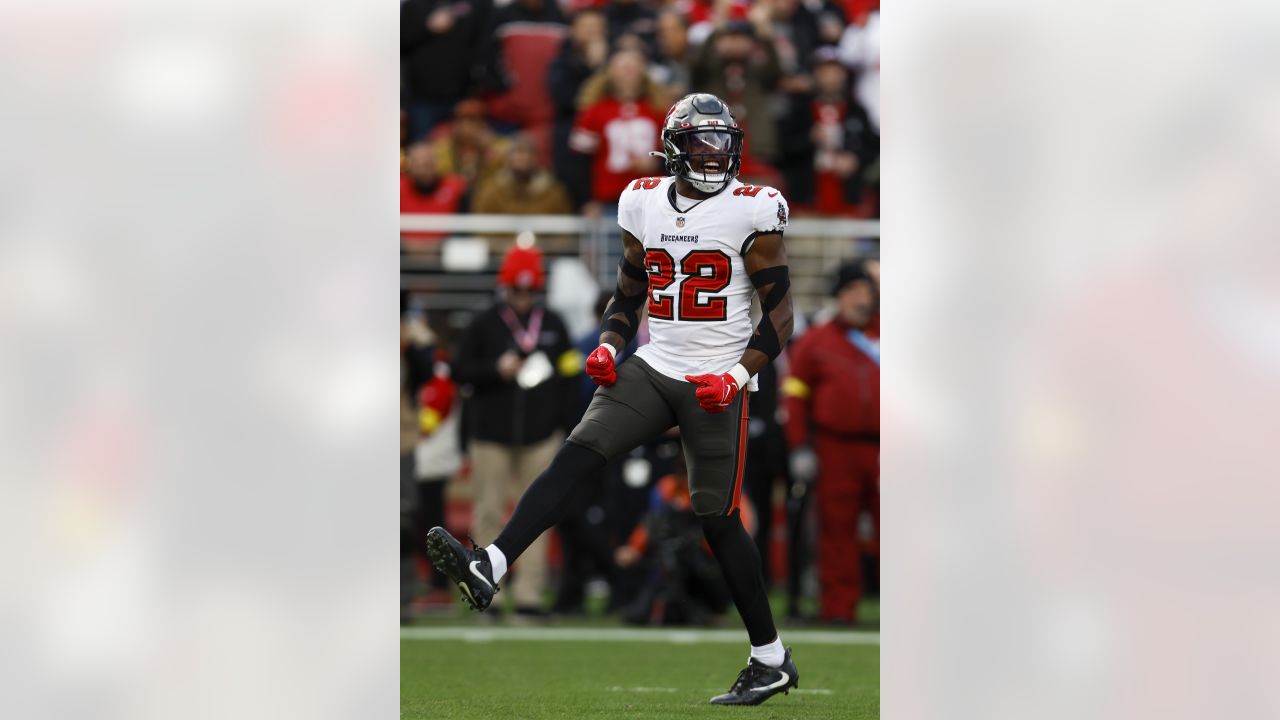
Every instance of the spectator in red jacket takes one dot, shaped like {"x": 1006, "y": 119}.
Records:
{"x": 423, "y": 189}
{"x": 618, "y": 125}
{"x": 833, "y": 407}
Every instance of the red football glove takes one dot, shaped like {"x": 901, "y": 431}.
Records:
{"x": 716, "y": 392}
{"x": 600, "y": 367}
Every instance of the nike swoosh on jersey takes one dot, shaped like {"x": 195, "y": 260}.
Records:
{"x": 785, "y": 679}
{"x": 476, "y": 572}
{"x": 772, "y": 194}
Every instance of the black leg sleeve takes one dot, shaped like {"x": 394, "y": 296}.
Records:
{"x": 547, "y": 499}
{"x": 758, "y": 483}
{"x": 740, "y": 563}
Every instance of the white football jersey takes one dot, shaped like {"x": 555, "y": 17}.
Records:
{"x": 699, "y": 293}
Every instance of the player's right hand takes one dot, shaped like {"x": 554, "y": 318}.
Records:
{"x": 600, "y": 367}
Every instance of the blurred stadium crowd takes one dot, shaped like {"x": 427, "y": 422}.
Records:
{"x": 538, "y": 108}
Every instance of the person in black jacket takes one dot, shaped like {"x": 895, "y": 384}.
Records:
{"x": 446, "y": 53}
{"x": 826, "y": 141}
{"x": 521, "y": 366}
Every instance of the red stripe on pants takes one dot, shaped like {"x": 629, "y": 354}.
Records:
{"x": 742, "y": 456}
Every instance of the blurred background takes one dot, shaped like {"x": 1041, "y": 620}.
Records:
{"x": 1079, "y": 414}
{"x": 521, "y": 122}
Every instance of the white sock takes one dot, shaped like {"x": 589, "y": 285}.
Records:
{"x": 772, "y": 654}
{"x": 499, "y": 563}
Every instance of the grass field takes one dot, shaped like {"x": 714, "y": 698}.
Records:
{"x": 511, "y": 673}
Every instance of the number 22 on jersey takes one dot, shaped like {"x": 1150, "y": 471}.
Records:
{"x": 705, "y": 271}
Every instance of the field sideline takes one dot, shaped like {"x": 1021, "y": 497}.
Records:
{"x": 574, "y": 672}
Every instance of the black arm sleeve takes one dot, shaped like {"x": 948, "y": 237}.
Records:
{"x": 772, "y": 284}
{"x": 622, "y": 316}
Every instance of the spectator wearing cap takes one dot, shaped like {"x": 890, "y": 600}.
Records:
{"x": 441, "y": 45}
{"x": 518, "y": 360}
{"x": 618, "y": 125}
{"x": 582, "y": 54}
{"x": 739, "y": 64}
{"x": 424, "y": 189}
{"x": 521, "y": 187}
{"x": 827, "y": 143}
{"x": 833, "y": 416}
{"x": 470, "y": 148}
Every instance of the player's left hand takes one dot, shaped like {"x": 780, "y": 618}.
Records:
{"x": 715, "y": 392}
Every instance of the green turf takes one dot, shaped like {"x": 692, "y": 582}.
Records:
{"x": 518, "y": 679}
{"x": 458, "y": 614}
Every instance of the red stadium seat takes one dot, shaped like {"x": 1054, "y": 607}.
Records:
{"x": 528, "y": 49}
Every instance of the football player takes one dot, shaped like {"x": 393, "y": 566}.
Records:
{"x": 697, "y": 246}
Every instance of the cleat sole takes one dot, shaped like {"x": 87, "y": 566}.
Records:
{"x": 443, "y": 559}
{"x": 447, "y": 563}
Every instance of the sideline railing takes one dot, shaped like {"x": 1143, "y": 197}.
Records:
{"x": 454, "y": 269}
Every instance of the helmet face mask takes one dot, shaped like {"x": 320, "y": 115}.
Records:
{"x": 702, "y": 143}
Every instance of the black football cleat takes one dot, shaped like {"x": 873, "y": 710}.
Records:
{"x": 468, "y": 569}
{"x": 759, "y": 682}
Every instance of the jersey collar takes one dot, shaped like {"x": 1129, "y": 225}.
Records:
{"x": 671, "y": 197}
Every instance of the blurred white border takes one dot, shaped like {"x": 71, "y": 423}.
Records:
{"x": 196, "y": 275}
{"x": 198, "y": 270}
{"x": 1082, "y": 360}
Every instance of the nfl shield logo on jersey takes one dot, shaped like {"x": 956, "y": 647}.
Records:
{"x": 679, "y": 222}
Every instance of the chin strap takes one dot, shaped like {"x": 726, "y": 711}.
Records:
{"x": 716, "y": 188}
